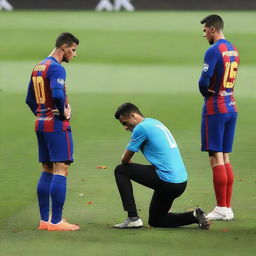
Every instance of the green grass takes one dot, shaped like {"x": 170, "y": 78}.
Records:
{"x": 154, "y": 60}
{"x": 120, "y": 38}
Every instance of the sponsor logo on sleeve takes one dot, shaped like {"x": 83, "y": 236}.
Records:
{"x": 205, "y": 67}
{"x": 61, "y": 81}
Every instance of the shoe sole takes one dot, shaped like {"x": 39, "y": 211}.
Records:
{"x": 63, "y": 229}
{"x": 128, "y": 227}
{"x": 224, "y": 219}
{"x": 220, "y": 218}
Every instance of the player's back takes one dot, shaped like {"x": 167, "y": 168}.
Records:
{"x": 46, "y": 76}
{"x": 161, "y": 149}
{"x": 225, "y": 60}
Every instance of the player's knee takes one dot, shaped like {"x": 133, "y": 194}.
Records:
{"x": 47, "y": 167}
{"x": 119, "y": 169}
{"x": 153, "y": 222}
{"x": 216, "y": 158}
{"x": 60, "y": 169}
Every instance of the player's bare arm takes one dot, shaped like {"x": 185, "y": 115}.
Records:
{"x": 127, "y": 156}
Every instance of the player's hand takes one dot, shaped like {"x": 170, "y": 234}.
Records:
{"x": 211, "y": 91}
{"x": 208, "y": 93}
{"x": 67, "y": 112}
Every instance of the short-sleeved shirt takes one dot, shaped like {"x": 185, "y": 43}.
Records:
{"x": 159, "y": 147}
{"x": 221, "y": 62}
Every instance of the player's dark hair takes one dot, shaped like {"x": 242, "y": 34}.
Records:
{"x": 66, "y": 38}
{"x": 126, "y": 109}
{"x": 213, "y": 20}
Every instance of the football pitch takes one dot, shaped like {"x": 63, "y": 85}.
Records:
{"x": 154, "y": 60}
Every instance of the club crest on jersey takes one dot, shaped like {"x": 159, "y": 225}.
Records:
{"x": 205, "y": 67}
{"x": 61, "y": 81}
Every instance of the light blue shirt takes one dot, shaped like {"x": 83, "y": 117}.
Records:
{"x": 159, "y": 147}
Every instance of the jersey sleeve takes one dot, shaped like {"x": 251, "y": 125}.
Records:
{"x": 210, "y": 60}
{"x": 30, "y": 99}
{"x": 57, "y": 76}
{"x": 139, "y": 135}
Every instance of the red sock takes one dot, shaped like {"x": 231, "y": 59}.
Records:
{"x": 230, "y": 176}
{"x": 220, "y": 181}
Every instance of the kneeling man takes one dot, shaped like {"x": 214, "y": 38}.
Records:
{"x": 166, "y": 174}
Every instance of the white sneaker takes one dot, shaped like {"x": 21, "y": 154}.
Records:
{"x": 218, "y": 213}
{"x": 230, "y": 214}
{"x": 130, "y": 223}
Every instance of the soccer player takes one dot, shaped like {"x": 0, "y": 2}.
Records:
{"x": 166, "y": 174}
{"x": 219, "y": 112}
{"x": 47, "y": 99}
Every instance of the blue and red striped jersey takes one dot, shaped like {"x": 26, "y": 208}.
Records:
{"x": 47, "y": 97}
{"x": 218, "y": 76}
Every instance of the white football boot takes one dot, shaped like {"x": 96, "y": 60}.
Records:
{"x": 218, "y": 213}
{"x": 130, "y": 223}
{"x": 230, "y": 214}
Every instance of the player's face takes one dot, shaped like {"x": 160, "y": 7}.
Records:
{"x": 128, "y": 122}
{"x": 69, "y": 52}
{"x": 208, "y": 34}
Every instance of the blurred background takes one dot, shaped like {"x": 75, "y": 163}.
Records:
{"x": 146, "y": 52}
{"x": 131, "y": 5}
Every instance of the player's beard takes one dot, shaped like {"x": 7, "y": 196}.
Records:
{"x": 64, "y": 59}
{"x": 211, "y": 42}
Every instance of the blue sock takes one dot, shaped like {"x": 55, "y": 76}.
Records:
{"x": 58, "y": 195}
{"x": 43, "y": 194}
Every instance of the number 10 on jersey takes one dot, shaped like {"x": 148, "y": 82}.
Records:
{"x": 38, "y": 83}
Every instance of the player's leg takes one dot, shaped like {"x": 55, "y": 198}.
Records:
{"x": 219, "y": 177}
{"x": 212, "y": 131}
{"x": 61, "y": 153}
{"x": 43, "y": 194}
{"x": 44, "y": 182}
{"x": 58, "y": 196}
{"x": 58, "y": 190}
{"x": 227, "y": 147}
{"x": 143, "y": 174}
{"x": 230, "y": 176}
{"x": 161, "y": 203}
{"x": 162, "y": 200}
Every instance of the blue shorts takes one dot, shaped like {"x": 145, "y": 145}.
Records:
{"x": 217, "y": 132}
{"x": 55, "y": 146}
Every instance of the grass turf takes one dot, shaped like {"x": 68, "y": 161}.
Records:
{"x": 145, "y": 58}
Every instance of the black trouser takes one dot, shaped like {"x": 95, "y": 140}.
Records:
{"x": 163, "y": 197}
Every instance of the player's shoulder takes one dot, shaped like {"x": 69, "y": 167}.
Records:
{"x": 56, "y": 68}
{"x": 212, "y": 49}
{"x": 224, "y": 44}
{"x": 55, "y": 64}
{"x": 213, "y": 52}
{"x": 231, "y": 45}
{"x": 225, "y": 47}
{"x": 147, "y": 123}
{"x": 142, "y": 127}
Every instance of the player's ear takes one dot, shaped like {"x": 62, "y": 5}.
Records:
{"x": 212, "y": 29}
{"x": 64, "y": 47}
